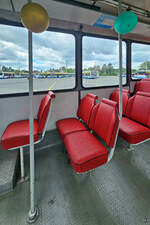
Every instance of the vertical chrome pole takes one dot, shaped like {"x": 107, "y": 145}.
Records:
{"x": 120, "y": 68}
{"x": 111, "y": 152}
{"x": 22, "y": 163}
{"x": 33, "y": 213}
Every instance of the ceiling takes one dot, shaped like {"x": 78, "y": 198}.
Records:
{"x": 75, "y": 14}
{"x": 144, "y": 4}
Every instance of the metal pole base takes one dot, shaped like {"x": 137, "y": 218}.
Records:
{"x": 23, "y": 180}
{"x": 32, "y": 217}
{"x": 91, "y": 173}
{"x": 87, "y": 173}
{"x": 131, "y": 148}
{"x": 22, "y": 162}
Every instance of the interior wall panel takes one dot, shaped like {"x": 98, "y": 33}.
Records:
{"x": 65, "y": 105}
{"x": 101, "y": 93}
{"x": 17, "y": 108}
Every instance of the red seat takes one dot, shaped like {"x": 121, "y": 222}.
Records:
{"x": 125, "y": 96}
{"x": 142, "y": 86}
{"x": 136, "y": 127}
{"x": 132, "y": 131}
{"x": 69, "y": 125}
{"x": 17, "y": 133}
{"x": 84, "y": 150}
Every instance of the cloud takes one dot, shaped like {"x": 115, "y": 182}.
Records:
{"x": 96, "y": 45}
{"x": 13, "y": 46}
{"x": 13, "y": 34}
{"x": 101, "y": 51}
{"x": 140, "y": 54}
{"x": 54, "y": 50}
{"x": 50, "y": 49}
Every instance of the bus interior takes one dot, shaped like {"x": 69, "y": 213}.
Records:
{"x": 91, "y": 168}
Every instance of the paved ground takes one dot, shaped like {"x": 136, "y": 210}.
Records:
{"x": 21, "y": 85}
{"x": 117, "y": 193}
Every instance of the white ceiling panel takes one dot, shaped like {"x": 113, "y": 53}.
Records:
{"x": 5, "y": 4}
{"x": 63, "y": 11}
{"x": 144, "y": 4}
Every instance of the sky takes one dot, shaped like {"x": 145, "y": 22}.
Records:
{"x": 98, "y": 51}
{"x": 54, "y": 50}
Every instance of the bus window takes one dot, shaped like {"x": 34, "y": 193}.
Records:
{"x": 101, "y": 62}
{"x": 13, "y": 59}
{"x": 140, "y": 61}
{"x": 53, "y": 61}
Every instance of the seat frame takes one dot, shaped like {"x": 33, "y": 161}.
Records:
{"x": 41, "y": 137}
{"x": 112, "y": 150}
{"x": 131, "y": 146}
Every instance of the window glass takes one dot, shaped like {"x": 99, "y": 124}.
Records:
{"x": 101, "y": 62}
{"x": 140, "y": 61}
{"x": 53, "y": 60}
{"x": 13, "y": 59}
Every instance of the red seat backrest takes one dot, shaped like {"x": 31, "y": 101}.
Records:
{"x": 44, "y": 110}
{"x": 86, "y": 106}
{"x": 106, "y": 121}
{"x": 93, "y": 116}
{"x": 138, "y": 108}
{"x": 125, "y": 96}
{"x": 143, "y": 86}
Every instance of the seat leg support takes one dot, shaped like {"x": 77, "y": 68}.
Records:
{"x": 22, "y": 162}
{"x": 91, "y": 173}
{"x": 131, "y": 147}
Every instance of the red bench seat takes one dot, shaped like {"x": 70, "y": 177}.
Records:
{"x": 69, "y": 125}
{"x": 135, "y": 127}
{"x": 84, "y": 149}
{"x": 132, "y": 131}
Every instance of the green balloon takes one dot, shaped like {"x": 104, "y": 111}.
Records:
{"x": 125, "y": 22}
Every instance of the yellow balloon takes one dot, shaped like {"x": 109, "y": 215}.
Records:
{"x": 34, "y": 17}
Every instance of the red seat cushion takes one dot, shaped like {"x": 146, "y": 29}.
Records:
{"x": 69, "y": 125}
{"x": 17, "y": 134}
{"x": 85, "y": 151}
{"x": 132, "y": 131}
